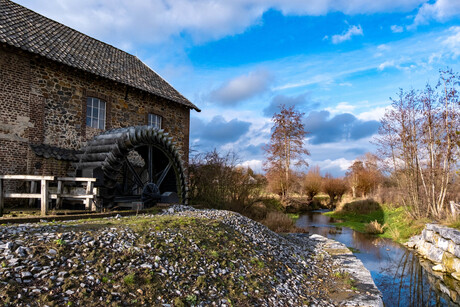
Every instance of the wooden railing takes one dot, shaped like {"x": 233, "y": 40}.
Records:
{"x": 45, "y": 195}
{"x": 87, "y": 198}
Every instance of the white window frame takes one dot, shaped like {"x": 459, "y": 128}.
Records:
{"x": 95, "y": 113}
{"x": 155, "y": 120}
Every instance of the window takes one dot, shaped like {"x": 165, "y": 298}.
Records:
{"x": 95, "y": 113}
{"x": 155, "y": 121}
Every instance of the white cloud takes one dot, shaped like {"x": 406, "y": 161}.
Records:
{"x": 255, "y": 165}
{"x": 397, "y": 29}
{"x": 383, "y": 47}
{"x": 387, "y": 64}
{"x": 347, "y": 35}
{"x": 317, "y": 79}
{"x": 342, "y": 107}
{"x": 124, "y": 21}
{"x": 322, "y": 7}
{"x": 381, "y": 50}
{"x": 374, "y": 114}
{"x": 453, "y": 42}
{"x": 334, "y": 166}
{"x": 441, "y": 10}
{"x": 242, "y": 87}
{"x": 434, "y": 57}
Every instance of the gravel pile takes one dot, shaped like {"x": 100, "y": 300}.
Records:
{"x": 182, "y": 257}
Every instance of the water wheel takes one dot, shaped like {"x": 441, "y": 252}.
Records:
{"x": 134, "y": 164}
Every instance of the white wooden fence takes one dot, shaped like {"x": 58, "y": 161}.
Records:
{"x": 45, "y": 195}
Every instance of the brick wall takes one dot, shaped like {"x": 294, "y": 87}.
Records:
{"x": 45, "y": 102}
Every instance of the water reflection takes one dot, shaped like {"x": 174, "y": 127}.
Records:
{"x": 401, "y": 276}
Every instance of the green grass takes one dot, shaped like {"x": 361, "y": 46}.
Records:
{"x": 354, "y": 250}
{"x": 129, "y": 279}
{"x": 454, "y": 224}
{"x": 400, "y": 226}
{"x": 293, "y": 216}
{"x": 273, "y": 204}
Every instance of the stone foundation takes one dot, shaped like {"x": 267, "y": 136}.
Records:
{"x": 441, "y": 245}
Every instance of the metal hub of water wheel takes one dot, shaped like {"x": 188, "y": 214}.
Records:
{"x": 134, "y": 164}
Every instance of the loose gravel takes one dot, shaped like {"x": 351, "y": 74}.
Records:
{"x": 181, "y": 257}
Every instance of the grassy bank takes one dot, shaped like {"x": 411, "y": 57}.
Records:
{"x": 396, "y": 224}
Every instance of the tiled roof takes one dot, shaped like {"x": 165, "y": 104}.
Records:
{"x": 25, "y": 29}
{"x": 58, "y": 153}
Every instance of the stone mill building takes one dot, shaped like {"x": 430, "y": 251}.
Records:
{"x": 59, "y": 88}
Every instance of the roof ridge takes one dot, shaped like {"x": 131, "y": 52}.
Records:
{"x": 23, "y": 28}
{"x": 63, "y": 25}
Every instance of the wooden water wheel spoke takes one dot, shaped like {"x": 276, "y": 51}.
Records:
{"x": 137, "y": 178}
{"x": 150, "y": 163}
{"x": 164, "y": 173}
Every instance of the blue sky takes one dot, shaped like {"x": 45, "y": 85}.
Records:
{"x": 336, "y": 61}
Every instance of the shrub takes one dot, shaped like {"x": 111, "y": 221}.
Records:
{"x": 279, "y": 222}
{"x": 273, "y": 204}
{"x": 257, "y": 211}
{"x": 216, "y": 181}
{"x": 335, "y": 188}
{"x": 360, "y": 206}
{"x": 313, "y": 182}
{"x": 375, "y": 227}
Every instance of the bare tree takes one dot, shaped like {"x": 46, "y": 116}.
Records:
{"x": 287, "y": 145}
{"x": 217, "y": 181}
{"x": 419, "y": 140}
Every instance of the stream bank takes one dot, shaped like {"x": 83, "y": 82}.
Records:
{"x": 397, "y": 272}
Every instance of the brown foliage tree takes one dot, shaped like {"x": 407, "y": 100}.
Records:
{"x": 364, "y": 175}
{"x": 313, "y": 182}
{"x": 286, "y": 146}
{"x": 335, "y": 188}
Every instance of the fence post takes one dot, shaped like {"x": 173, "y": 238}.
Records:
{"x": 2, "y": 204}
{"x": 58, "y": 194}
{"x": 44, "y": 197}
{"x": 89, "y": 201}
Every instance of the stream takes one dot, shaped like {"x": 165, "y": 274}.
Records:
{"x": 398, "y": 273}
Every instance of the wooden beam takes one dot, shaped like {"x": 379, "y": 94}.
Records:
{"x": 75, "y": 196}
{"x": 23, "y": 195}
{"x": 87, "y": 179}
{"x": 27, "y": 177}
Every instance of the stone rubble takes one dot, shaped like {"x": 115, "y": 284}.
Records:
{"x": 57, "y": 264}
